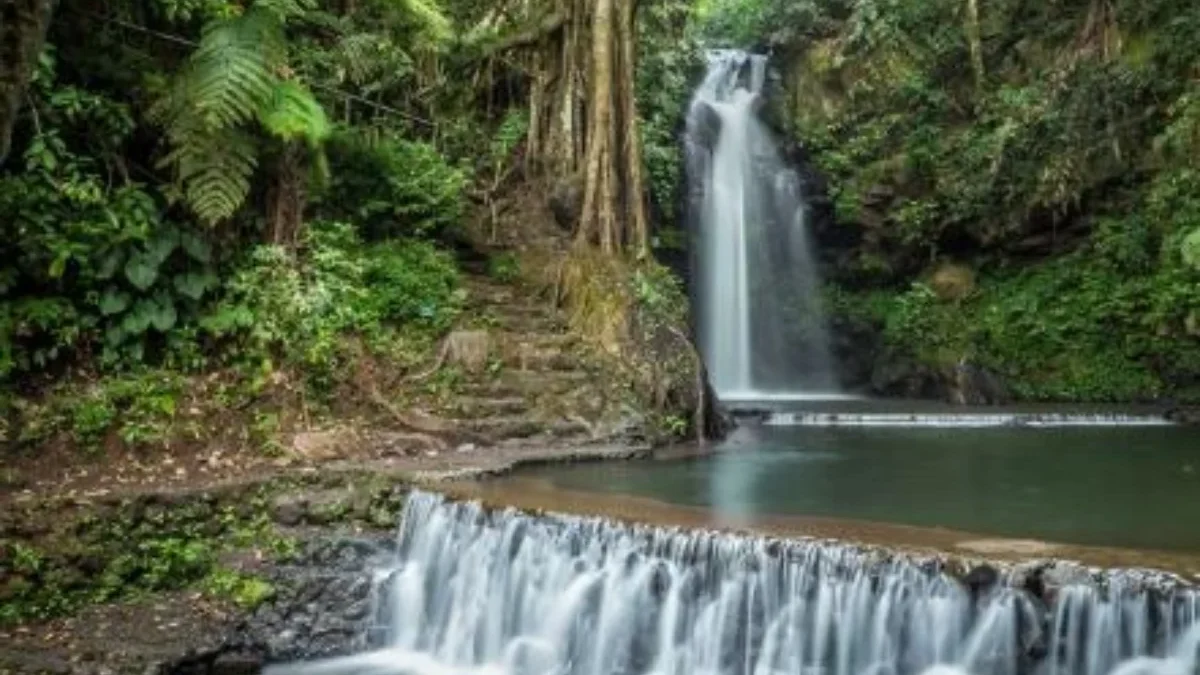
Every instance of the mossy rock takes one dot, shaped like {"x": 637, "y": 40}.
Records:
{"x": 953, "y": 282}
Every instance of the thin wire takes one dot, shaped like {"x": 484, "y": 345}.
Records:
{"x": 316, "y": 85}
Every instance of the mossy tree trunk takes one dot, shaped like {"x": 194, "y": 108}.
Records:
{"x": 583, "y": 116}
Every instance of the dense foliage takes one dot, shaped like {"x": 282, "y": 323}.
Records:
{"x": 208, "y": 198}
{"x": 205, "y": 186}
{"x": 1049, "y": 146}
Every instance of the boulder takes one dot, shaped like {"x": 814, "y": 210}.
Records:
{"x": 469, "y": 350}
{"x": 952, "y": 282}
{"x": 566, "y": 201}
{"x": 319, "y": 446}
{"x": 706, "y": 125}
{"x": 971, "y": 384}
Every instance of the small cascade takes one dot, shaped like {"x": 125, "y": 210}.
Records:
{"x": 505, "y": 593}
{"x": 757, "y": 298}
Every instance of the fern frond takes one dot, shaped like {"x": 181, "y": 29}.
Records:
{"x": 231, "y": 81}
{"x": 215, "y": 172}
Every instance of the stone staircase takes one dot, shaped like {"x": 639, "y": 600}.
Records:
{"x": 539, "y": 385}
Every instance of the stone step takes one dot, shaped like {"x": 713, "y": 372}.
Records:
{"x": 484, "y": 406}
{"x": 530, "y": 323}
{"x": 500, "y": 428}
{"x": 524, "y": 358}
{"x": 561, "y": 341}
{"x": 523, "y": 383}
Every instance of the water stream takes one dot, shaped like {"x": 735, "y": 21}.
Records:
{"x": 473, "y": 591}
{"x": 760, "y": 323}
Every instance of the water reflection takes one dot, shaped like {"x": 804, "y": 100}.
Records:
{"x": 1104, "y": 487}
{"x": 733, "y": 479}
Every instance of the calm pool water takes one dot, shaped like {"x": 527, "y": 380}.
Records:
{"x": 1123, "y": 487}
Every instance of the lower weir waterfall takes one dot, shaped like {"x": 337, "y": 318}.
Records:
{"x": 505, "y": 593}
{"x": 757, "y": 301}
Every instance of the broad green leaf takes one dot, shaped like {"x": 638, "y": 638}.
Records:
{"x": 162, "y": 246}
{"x": 194, "y": 284}
{"x": 114, "y": 302}
{"x": 137, "y": 321}
{"x": 163, "y": 315}
{"x": 197, "y": 248}
{"x": 141, "y": 271}
{"x": 109, "y": 264}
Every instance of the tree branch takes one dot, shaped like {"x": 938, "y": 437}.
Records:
{"x": 547, "y": 26}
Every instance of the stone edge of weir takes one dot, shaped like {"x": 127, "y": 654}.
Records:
{"x": 1035, "y": 574}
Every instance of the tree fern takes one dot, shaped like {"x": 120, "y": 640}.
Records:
{"x": 293, "y": 114}
{"x": 231, "y": 82}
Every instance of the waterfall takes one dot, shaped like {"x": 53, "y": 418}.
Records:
{"x": 760, "y": 324}
{"x": 505, "y": 593}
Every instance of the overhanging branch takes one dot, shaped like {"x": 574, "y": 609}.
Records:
{"x": 549, "y": 25}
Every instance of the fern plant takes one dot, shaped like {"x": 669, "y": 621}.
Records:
{"x": 235, "y": 86}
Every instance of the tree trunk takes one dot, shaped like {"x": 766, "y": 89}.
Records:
{"x": 583, "y": 122}
{"x": 285, "y": 201}
{"x": 596, "y": 220}
{"x": 975, "y": 42}
{"x": 635, "y": 184}
{"x": 23, "y": 26}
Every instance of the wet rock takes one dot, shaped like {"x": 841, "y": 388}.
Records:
{"x": 981, "y": 579}
{"x": 708, "y": 124}
{"x": 1188, "y": 416}
{"x": 322, "y": 605}
{"x": 856, "y": 345}
{"x": 1064, "y": 573}
{"x": 236, "y": 664}
{"x": 289, "y": 510}
{"x": 896, "y": 374}
{"x": 975, "y": 385}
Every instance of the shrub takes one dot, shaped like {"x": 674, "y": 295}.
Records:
{"x": 412, "y": 282}
{"x": 280, "y": 307}
{"x": 392, "y": 187}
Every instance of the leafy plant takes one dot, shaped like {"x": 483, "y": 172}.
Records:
{"x": 413, "y": 282}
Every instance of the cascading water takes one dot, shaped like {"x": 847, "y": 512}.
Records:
{"x": 505, "y": 593}
{"x": 761, "y": 327}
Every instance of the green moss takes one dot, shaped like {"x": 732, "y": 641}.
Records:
{"x": 244, "y": 590}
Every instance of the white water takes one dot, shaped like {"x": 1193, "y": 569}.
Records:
{"x": 761, "y": 326}
{"x": 962, "y": 420}
{"x": 473, "y": 592}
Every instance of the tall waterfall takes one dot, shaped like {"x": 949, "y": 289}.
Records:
{"x": 503, "y": 593}
{"x": 761, "y": 327}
